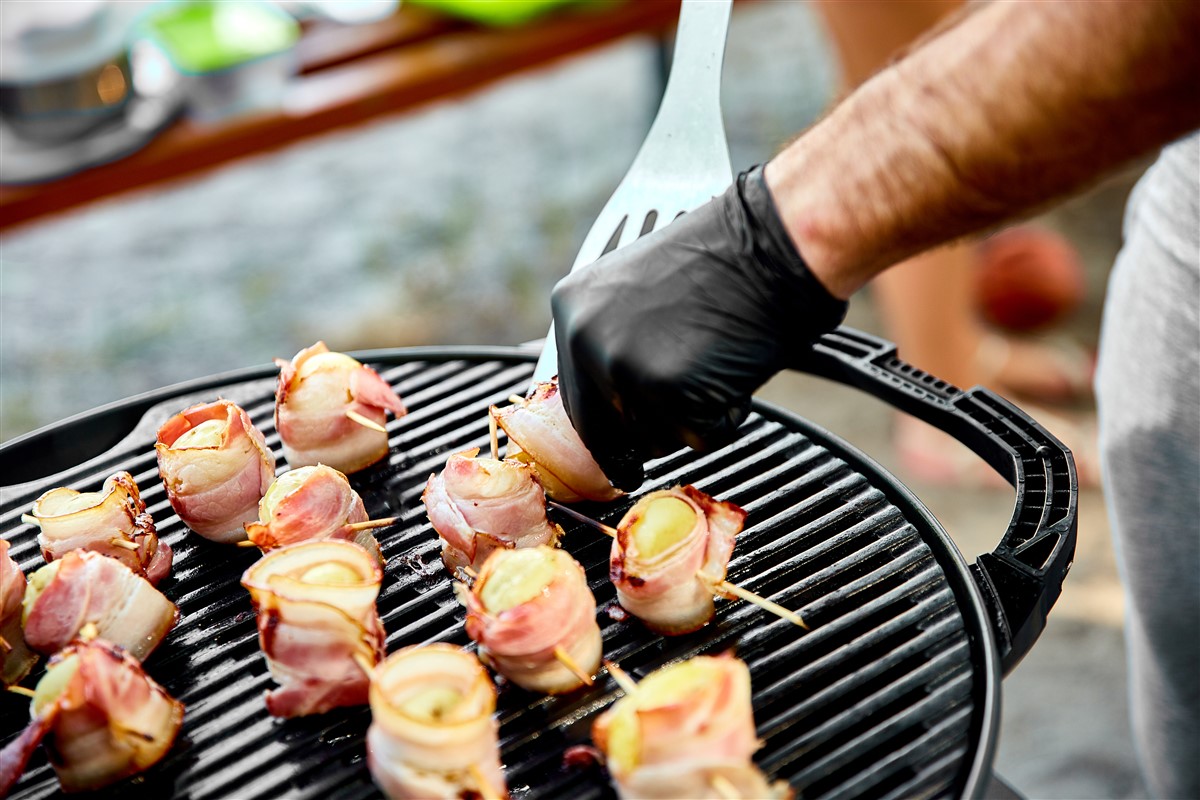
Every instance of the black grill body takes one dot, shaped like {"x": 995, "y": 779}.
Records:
{"x": 893, "y": 694}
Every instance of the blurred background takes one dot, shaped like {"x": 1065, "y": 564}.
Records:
{"x": 185, "y": 193}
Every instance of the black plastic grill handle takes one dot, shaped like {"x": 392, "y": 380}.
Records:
{"x": 1022, "y": 578}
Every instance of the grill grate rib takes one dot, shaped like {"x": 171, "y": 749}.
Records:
{"x": 879, "y": 700}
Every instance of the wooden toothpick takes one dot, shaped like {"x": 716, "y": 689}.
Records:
{"x": 724, "y": 787}
{"x": 627, "y": 684}
{"x": 21, "y": 690}
{"x": 607, "y": 530}
{"x": 494, "y": 436}
{"x": 29, "y": 519}
{"x": 565, "y": 659}
{"x": 382, "y": 522}
{"x": 125, "y": 543}
{"x": 247, "y": 543}
{"x": 364, "y": 664}
{"x": 758, "y": 600}
{"x": 485, "y": 787}
{"x": 366, "y": 423}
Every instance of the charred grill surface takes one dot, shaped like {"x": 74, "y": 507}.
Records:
{"x": 880, "y": 699}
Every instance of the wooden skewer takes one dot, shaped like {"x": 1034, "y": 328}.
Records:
{"x": 30, "y": 520}
{"x": 366, "y": 423}
{"x": 469, "y": 570}
{"x": 21, "y": 690}
{"x": 607, "y": 530}
{"x": 565, "y": 659}
{"x": 485, "y": 788}
{"x": 247, "y": 543}
{"x": 494, "y": 436}
{"x": 364, "y": 664}
{"x": 760, "y": 601}
{"x": 621, "y": 677}
{"x": 382, "y": 522}
{"x": 125, "y": 543}
{"x": 724, "y": 787}
{"x": 516, "y": 400}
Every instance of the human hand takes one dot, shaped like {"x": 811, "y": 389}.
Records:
{"x": 664, "y": 341}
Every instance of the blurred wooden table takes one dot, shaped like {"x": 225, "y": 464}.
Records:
{"x": 348, "y": 75}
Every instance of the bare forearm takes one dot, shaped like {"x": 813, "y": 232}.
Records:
{"x": 1019, "y": 104}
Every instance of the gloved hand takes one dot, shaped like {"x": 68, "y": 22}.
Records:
{"x": 663, "y": 342}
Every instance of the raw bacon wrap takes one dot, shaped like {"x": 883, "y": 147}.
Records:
{"x": 311, "y": 407}
{"x": 16, "y": 659}
{"x": 109, "y": 722}
{"x": 673, "y": 592}
{"x": 480, "y": 504}
{"x": 678, "y": 744}
{"x": 88, "y": 587}
{"x": 412, "y": 757}
{"x": 316, "y": 631}
{"x": 322, "y": 507}
{"x": 215, "y": 490}
{"x": 520, "y": 642}
{"x": 540, "y": 432}
{"x": 116, "y": 512}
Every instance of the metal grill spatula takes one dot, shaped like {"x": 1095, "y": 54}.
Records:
{"x": 684, "y": 161}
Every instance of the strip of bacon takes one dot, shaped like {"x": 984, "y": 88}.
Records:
{"x": 113, "y": 521}
{"x": 317, "y": 624}
{"x": 687, "y": 730}
{"x": 16, "y": 659}
{"x": 85, "y": 587}
{"x": 101, "y": 717}
{"x": 310, "y": 504}
{"x": 534, "y": 617}
{"x": 320, "y": 401}
{"x": 540, "y": 433}
{"x": 669, "y": 555}
{"x": 433, "y": 733}
{"x": 478, "y": 505}
{"x": 215, "y": 466}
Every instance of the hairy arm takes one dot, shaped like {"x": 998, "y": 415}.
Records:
{"x": 1018, "y": 104}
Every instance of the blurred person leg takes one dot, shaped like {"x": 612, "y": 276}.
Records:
{"x": 1148, "y": 393}
{"x": 927, "y": 303}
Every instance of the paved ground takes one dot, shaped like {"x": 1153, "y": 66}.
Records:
{"x": 450, "y": 226}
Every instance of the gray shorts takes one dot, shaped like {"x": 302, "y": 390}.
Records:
{"x": 1148, "y": 392}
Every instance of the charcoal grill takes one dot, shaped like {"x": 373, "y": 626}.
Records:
{"x": 893, "y": 694}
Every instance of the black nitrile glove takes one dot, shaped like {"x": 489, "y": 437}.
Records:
{"x": 663, "y": 342}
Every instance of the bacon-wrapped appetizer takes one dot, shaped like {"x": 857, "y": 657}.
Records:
{"x": 215, "y": 466}
{"x": 539, "y": 432}
{"x": 330, "y": 409}
{"x": 103, "y": 719}
{"x": 669, "y": 556}
{"x": 112, "y": 521}
{"x": 687, "y": 730}
{"x": 432, "y": 732}
{"x": 84, "y": 587}
{"x": 480, "y": 504}
{"x": 16, "y": 659}
{"x": 311, "y": 504}
{"x": 317, "y": 624}
{"x": 534, "y": 617}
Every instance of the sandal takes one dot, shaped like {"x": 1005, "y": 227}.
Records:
{"x": 1004, "y": 366}
{"x": 929, "y": 456}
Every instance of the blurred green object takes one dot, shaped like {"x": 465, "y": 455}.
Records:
{"x": 204, "y": 37}
{"x": 494, "y": 12}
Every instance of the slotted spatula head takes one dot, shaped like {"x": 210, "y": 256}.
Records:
{"x": 684, "y": 161}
